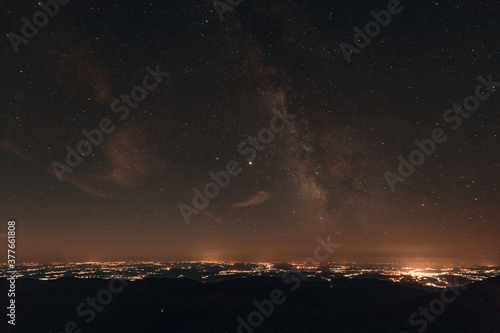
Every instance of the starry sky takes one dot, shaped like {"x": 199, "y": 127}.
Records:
{"x": 322, "y": 176}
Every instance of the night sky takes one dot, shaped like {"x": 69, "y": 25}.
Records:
{"x": 321, "y": 176}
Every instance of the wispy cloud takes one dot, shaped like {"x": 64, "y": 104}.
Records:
{"x": 128, "y": 161}
{"x": 11, "y": 148}
{"x": 254, "y": 200}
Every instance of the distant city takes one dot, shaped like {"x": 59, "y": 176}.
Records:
{"x": 434, "y": 275}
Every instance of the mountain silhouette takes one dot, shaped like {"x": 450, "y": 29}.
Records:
{"x": 183, "y": 305}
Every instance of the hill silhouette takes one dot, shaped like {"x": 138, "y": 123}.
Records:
{"x": 182, "y": 305}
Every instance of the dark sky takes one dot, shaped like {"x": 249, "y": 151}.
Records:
{"x": 322, "y": 176}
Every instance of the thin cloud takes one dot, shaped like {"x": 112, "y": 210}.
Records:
{"x": 11, "y": 148}
{"x": 254, "y": 200}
